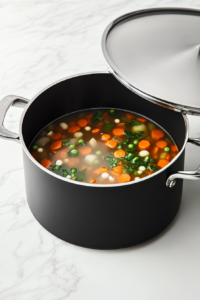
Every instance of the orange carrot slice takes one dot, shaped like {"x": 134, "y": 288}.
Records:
{"x": 102, "y": 170}
{"x": 161, "y": 144}
{"x": 56, "y": 145}
{"x": 167, "y": 157}
{"x": 73, "y": 129}
{"x": 63, "y": 154}
{"x": 73, "y": 161}
{"x": 125, "y": 178}
{"x": 174, "y": 148}
{"x": 111, "y": 143}
{"x": 130, "y": 116}
{"x": 46, "y": 163}
{"x": 157, "y": 134}
{"x": 56, "y": 136}
{"x": 96, "y": 130}
{"x": 121, "y": 125}
{"x": 118, "y": 170}
{"x": 119, "y": 153}
{"x": 118, "y": 131}
{"x": 162, "y": 163}
{"x": 92, "y": 180}
{"x": 105, "y": 137}
{"x": 85, "y": 150}
{"x": 144, "y": 145}
{"x": 141, "y": 120}
{"x": 82, "y": 122}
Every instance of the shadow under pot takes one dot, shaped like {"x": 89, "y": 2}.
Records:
{"x": 99, "y": 217}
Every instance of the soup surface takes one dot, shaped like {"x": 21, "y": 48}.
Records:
{"x": 103, "y": 146}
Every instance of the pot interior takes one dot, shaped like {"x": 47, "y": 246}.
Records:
{"x": 91, "y": 91}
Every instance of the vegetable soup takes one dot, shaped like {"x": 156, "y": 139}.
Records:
{"x": 103, "y": 146}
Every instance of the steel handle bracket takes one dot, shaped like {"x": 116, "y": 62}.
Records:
{"x": 191, "y": 175}
{"x": 5, "y": 103}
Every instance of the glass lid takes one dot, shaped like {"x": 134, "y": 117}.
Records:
{"x": 156, "y": 54}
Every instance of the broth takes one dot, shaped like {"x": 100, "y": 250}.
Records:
{"x": 103, "y": 146}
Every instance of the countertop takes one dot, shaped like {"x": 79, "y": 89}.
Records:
{"x": 41, "y": 42}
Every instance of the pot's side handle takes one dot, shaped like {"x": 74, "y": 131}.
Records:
{"x": 5, "y": 103}
{"x": 191, "y": 175}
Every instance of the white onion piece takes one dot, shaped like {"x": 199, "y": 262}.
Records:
{"x": 87, "y": 128}
{"x": 59, "y": 162}
{"x": 90, "y": 158}
{"x": 142, "y": 168}
{"x": 117, "y": 121}
{"x": 140, "y": 127}
{"x": 143, "y": 153}
{"x": 40, "y": 150}
{"x": 111, "y": 178}
{"x": 63, "y": 125}
{"x": 66, "y": 160}
{"x": 78, "y": 134}
{"x": 50, "y": 133}
{"x": 104, "y": 175}
{"x": 137, "y": 178}
{"x": 93, "y": 142}
{"x": 43, "y": 141}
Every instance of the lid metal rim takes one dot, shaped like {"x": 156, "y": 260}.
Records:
{"x": 184, "y": 109}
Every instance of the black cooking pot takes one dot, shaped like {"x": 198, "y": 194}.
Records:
{"x": 98, "y": 216}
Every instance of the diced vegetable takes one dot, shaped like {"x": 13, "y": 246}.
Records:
{"x": 71, "y": 146}
{"x": 118, "y": 131}
{"x": 117, "y": 121}
{"x": 111, "y": 178}
{"x": 40, "y": 150}
{"x": 87, "y": 128}
{"x": 141, "y": 127}
{"x": 82, "y": 122}
{"x": 80, "y": 141}
{"x": 98, "y": 152}
{"x": 90, "y": 158}
{"x": 118, "y": 170}
{"x": 105, "y": 137}
{"x": 93, "y": 142}
{"x": 96, "y": 130}
{"x": 73, "y": 153}
{"x": 102, "y": 170}
{"x": 35, "y": 147}
{"x": 104, "y": 175}
{"x": 56, "y": 145}
{"x": 50, "y": 133}
{"x": 56, "y": 136}
{"x": 125, "y": 178}
{"x": 157, "y": 134}
{"x": 144, "y": 145}
{"x": 43, "y": 141}
{"x": 92, "y": 180}
{"x": 161, "y": 144}
{"x": 119, "y": 153}
{"x": 143, "y": 153}
{"x": 167, "y": 149}
{"x": 117, "y": 139}
{"x": 85, "y": 150}
{"x": 162, "y": 163}
{"x": 59, "y": 162}
{"x": 141, "y": 120}
{"x": 78, "y": 134}
{"x": 46, "y": 163}
{"x": 73, "y": 129}
{"x": 63, "y": 125}
{"x": 111, "y": 143}
{"x": 174, "y": 148}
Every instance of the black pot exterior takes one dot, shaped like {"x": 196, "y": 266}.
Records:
{"x": 100, "y": 217}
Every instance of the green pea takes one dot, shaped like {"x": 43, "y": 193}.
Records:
{"x": 130, "y": 146}
{"x": 147, "y": 159}
{"x": 98, "y": 152}
{"x": 73, "y": 170}
{"x": 74, "y": 178}
{"x": 65, "y": 143}
{"x": 135, "y": 173}
{"x": 71, "y": 146}
{"x": 35, "y": 147}
{"x": 111, "y": 111}
{"x": 135, "y": 159}
{"x": 96, "y": 161}
{"x": 135, "y": 142}
{"x": 74, "y": 151}
{"x": 119, "y": 147}
{"x": 56, "y": 168}
{"x": 80, "y": 141}
{"x": 167, "y": 149}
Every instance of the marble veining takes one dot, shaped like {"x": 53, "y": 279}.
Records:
{"x": 41, "y": 42}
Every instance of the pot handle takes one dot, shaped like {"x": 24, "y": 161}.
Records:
{"x": 191, "y": 175}
{"x": 5, "y": 103}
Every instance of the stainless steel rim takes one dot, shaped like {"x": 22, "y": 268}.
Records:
{"x": 184, "y": 109}
{"x": 89, "y": 184}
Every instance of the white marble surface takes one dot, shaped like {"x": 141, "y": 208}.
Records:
{"x": 42, "y": 41}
